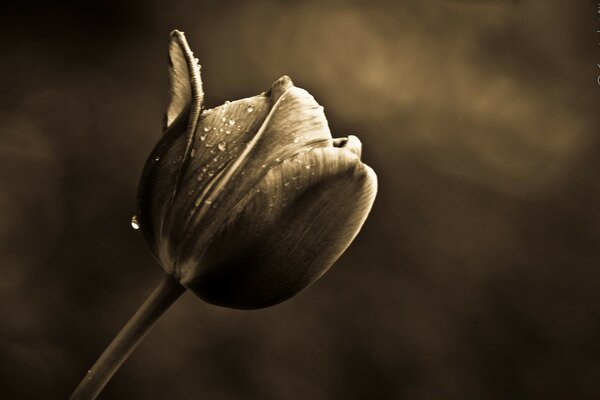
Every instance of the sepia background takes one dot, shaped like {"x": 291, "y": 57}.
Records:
{"x": 477, "y": 274}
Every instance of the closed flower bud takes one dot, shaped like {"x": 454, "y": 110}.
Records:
{"x": 248, "y": 203}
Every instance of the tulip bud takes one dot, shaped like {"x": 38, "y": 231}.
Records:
{"x": 248, "y": 203}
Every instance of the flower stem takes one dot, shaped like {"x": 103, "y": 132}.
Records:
{"x": 165, "y": 294}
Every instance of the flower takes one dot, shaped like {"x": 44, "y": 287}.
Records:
{"x": 250, "y": 202}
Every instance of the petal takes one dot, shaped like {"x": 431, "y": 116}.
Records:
{"x": 185, "y": 84}
{"x": 164, "y": 168}
{"x": 295, "y": 123}
{"x": 285, "y": 233}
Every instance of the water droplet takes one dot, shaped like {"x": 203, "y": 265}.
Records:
{"x": 286, "y": 184}
{"x": 227, "y": 102}
{"x": 204, "y": 112}
{"x": 206, "y": 128}
{"x": 222, "y": 146}
{"x": 221, "y": 130}
{"x": 249, "y": 109}
{"x": 216, "y": 159}
{"x": 228, "y": 131}
{"x": 211, "y": 173}
{"x": 257, "y": 190}
{"x": 192, "y": 153}
{"x": 307, "y": 166}
{"x": 157, "y": 158}
{"x": 134, "y": 222}
{"x": 202, "y": 137}
{"x": 295, "y": 140}
{"x": 231, "y": 122}
{"x": 264, "y": 166}
{"x": 208, "y": 201}
{"x": 224, "y": 119}
{"x": 214, "y": 128}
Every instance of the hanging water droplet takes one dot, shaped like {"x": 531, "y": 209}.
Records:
{"x": 231, "y": 122}
{"x": 222, "y": 146}
{"x": 249, "y": 109}
{"x": 134, "y": 222}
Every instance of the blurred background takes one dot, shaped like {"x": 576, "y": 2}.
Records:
{"x": 477, "y": 274}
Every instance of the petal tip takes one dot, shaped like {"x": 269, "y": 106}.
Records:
{"x": 280, "y": 86}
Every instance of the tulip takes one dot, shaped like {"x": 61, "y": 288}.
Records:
{"x": 245, "y": 204}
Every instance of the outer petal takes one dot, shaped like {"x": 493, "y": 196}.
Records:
{"x": 295, "y": 123}
{"x": 285, "y": 233}
{"x": 164, "y": 168}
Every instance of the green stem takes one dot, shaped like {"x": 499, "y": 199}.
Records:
{"x": 165, "y": 294}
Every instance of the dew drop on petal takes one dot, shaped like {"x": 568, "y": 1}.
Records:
{"x": 222, "y": 146}
{"x": 134, "y": 222}
{"x": 193, "y": 153}
{"x": 206, "y": 128}
{"x": 208, "y": 201}
{"x": 227, "y": 102}
{"x": 295, "y": 140}
{"x": 224, "y": 119}
{"x": 228, "y": 131}
{"x": 202, "y": 137}
{"x": 231, "y": 122}
{"x": 249, "y": 109}
{"x": 157, "y": 158}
